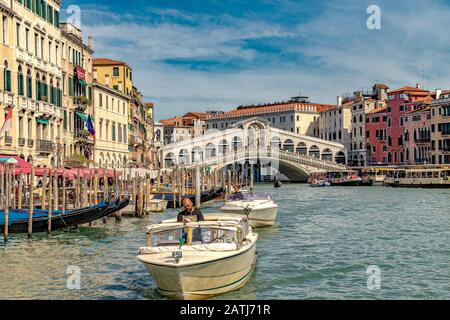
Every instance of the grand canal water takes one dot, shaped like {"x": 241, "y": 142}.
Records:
{"x": 324, "y": 241}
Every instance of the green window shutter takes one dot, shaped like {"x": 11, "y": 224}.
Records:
{"x": 7, "y": 80}
{"x": 38, "y": 93}
{"x": 50, "y": 14}
{"x": 20, "y": 84}
{"x": 44, "y": 10}
{"x": 57, "y": 19}
{"x": 71, "y": 86}
{"x": 29, "y": 4}
{"x": 29, "y": 88}
{"x": 37, "y": 7}
{"x": 65, "y": 120}
{"x": 90, "y": 94}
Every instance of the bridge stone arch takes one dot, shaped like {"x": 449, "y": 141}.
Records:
{"x": 301, "y": 148}
{"x": 306, "y": 153}
{"x": 314, "y": 151}
{"x": 183, "y": 156}
{"x": 210, "y": 150}
{"x": 327, "y": 154}
{"x": 288, "y": 145}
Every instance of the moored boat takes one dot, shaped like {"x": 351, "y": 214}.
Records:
{"x": 259, "y": 207}
{"x": 416, "y": 177}
{"x": 198, "y": 260}
{"x": 157, "y": 205}
{"x": 18, "y": 219}
{"x": 319, "y": 183}
{"x": 345, "y": 180}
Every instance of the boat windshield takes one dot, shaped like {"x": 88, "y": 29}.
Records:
{"x": 249, "y": 196}
{"x": 192, "y": 236}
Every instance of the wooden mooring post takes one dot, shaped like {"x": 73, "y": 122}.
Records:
{"x": 31, "y": 204}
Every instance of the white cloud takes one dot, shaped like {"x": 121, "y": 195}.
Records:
{"x": 339, "y": 54}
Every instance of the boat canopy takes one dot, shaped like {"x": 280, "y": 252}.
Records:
{"x": 249, "y": 196}
{"x": 226, "y": 225}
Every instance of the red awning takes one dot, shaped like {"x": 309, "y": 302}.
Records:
{"x": 81, "y": 73}
{"x": 20, "y": 166}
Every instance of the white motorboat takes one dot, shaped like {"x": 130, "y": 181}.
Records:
{"x": 198, "y": 260}
{"x": 259, "y": 207}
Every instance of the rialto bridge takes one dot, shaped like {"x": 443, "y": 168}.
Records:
{"x": 254, "y": 142}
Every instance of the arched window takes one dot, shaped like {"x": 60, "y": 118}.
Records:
{"x": 314, "y": 151}
{"x": 183, "y": 156}
{"x": 169, "y": 160}
{"x": 223, "y": 147}
{"x": 327, "y": 154}
{"x": 288, "y": 145}
{"x": 301, "y": 148}
{"x": 20, "y": 84}
{"x": 7, "y": 78}
{"x": 210, "y": 150}
{"x": 29, "y": 85}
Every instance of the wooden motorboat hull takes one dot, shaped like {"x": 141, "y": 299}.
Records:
{"x": 204, "y": 279}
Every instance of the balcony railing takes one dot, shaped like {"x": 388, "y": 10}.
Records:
{"x": 30, "y": 143}
{"x": 422, "y": 140}
{"x": 80, "y": 102}
{"x": 44, "y": 146}
{"x": 21, "y": 142}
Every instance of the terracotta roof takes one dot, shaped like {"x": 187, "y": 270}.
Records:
{"x": 410, "y": 89}
{"x": 108, "y": 62}
{"x": 295, "y": 106}
{"x": 379, "y": 110}
{"x": 381, "y": 86}
{"x": 423, "y": 108}
{"x": 149, "y": 104}
{"x": 197, "y": 115}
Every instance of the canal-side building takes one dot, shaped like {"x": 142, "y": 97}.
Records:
{"x": 188, "y": 126}
{"x": 335, "y": 123}
{"x": 417, "y": 135}
{"x": 376, "y": 135}
{"x": 111, "y": 126}
{"x": 440, "y": 128}
{"x": 297, "y": 115}
{"x": 32, "y": 80}
{"x": 399, "y": 102}
{"x": 76, "y": 58}
{"x": 364, "y": 101}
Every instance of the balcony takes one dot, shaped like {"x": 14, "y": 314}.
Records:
{"x": 8, "y": 98}
{"x": 21, "y": 142}
{"x": 30, "y": 143}
{"x": 8, "y": 140}
{"x": 82, "y": 136}
{"x": 422, "y": 140}
{"x": 44, "y": 146}
{"x": 80, "y": 102}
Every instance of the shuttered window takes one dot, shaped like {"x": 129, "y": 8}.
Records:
{"x": 20, "y": 84}
{"x": 7, "y": 80}
{"x": 29, "y": 87}
{"x": 70, "y": 86}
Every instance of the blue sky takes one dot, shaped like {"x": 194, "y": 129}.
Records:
{"x": 192, "y": 55}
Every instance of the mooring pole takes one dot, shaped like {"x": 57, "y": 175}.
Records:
{"x": 197, "y": 187}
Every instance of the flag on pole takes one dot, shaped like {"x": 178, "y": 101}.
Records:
{"x": 90, "y": 126}
{"x": 7, "y": 125}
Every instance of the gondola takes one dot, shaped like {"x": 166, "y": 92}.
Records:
{"x": 18, "y": 219}
{"x": 205, "y": 197}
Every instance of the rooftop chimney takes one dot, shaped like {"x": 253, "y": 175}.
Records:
{"x": 417, "y": 85}
{"x": 438, "y": 93}
{"x": 90, "y": 42}
{"x": 339, "y": 101}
